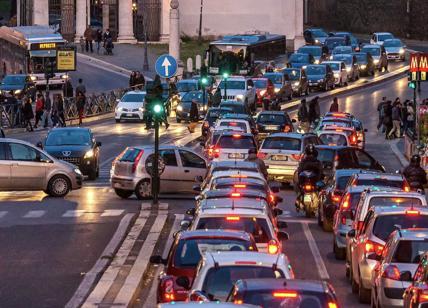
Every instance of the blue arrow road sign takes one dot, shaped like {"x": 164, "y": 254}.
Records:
{"x": 166, "y": 66}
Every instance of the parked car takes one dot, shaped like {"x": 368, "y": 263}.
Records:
{"x": 76, "y": 145}
{"x": 131, "y": 106}
{"x": 24, "y": 167}
{"x": 131, "y": 170}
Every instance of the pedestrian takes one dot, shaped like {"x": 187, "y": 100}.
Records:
{"x": 80, "y": 87}
{"x": 80, "y": 106}
{"x": 67, "y": 89}
{"x": 302, "y": 116}
{"x": 140, "y": 81}
{"x": 380, "y": 111}
{"x": 47, "y": 111}
{"x": 313, "y": 110}
{"x": 88, "y": 34}
{"x": 82, "y": 44}
{"x": 251, "y": 96}
{"x": 107, "y": 35}
{"x": 193, "y": 116}
{"x": 28, "y": 114}
{"x": 334, "y": 107}
{"x": 132, "y": 79}
{"x": 98, "y": 39}
{"x": 387, "y": 117}
{"x": 410, "y": 116}
{"x": 217, "y": 97}
{"x": 396, "y": 120}
{"x": 39, "y": 109}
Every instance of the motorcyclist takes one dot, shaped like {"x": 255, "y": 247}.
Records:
{"x": 269, "y": 95}
{"x": 311, "y": 163}
{"x": 415, "y": 174}
{"x": 252, "y": 156}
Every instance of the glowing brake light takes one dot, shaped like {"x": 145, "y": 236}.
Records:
{"x": 271, "y": 198}
{"x": 233, "y": 218}
{"x": 261, "y": 155}
{"x": 345, "y": 204}
{"x": 236, "y": 136}
{"x": 423, "y": 297}
{"x": 287, "y": 128}
{"x": 338, "y": 115}
{"x": 308, "y": 187}
{"x": 236, "y": 195}
{"x": 168, "y": 289}
{"x": 412, "y": 212}
{"x": 373, "y": 247}
{"x": 232, "y": 124}
{"x": 406, "y": 187}
{"x": 206, "y": 124}
{"x": 238, "y": 176}
{"x": 339, "y": 130}
{"x": 332, "y": 305}
{"x": 238, "y": 302}
{"x": 335, "y": 197}
{"x": 239, "y": 186}
{"x": 273, "y": 247}
{"x": 285, "y": 294}
{"x": 391, "y": 272}
{"x": 296, "y": 156}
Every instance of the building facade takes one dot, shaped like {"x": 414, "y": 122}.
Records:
{"x": 128, "y": 19}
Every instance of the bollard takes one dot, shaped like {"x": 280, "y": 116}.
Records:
{"x": 198, "y": 63}
{"x": 190, "y": 65}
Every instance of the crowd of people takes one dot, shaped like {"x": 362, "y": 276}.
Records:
{"x": 101, "y": 39}
{"x": 395, "y": 117}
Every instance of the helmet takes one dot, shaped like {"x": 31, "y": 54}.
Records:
{"x": 416, "y": 159}
{"x": 310, "y": 150}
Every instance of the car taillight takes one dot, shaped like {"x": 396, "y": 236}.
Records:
{"x": 236, "y": 136}
{"x": 423, "y": 296}
{"x": 345, "y": 216}
{"x": 391, "y": 272}
{"x": 261, "y": 155}
{"x": 354, "y": 139}
{"x": 371, "y": 246}
{"x": 308, "y": 188}
{"x": 273, "y": 247}
{"x": 412, "y": 212}
{"x": 335, "y": 197}
{"x": 215, "y": 152}
{"x": 168, "y": 290}
{"x": 271, "y": 198}
{"x": 296, "y": 156}
{"x": 332, "y": 305}
{"x": 239, "y": 186}
{"x": 238, "y": 301}
{"x": 206, "y": 124}
{"x": 285, "y": 294}
{"x": 233, "y": 218}
{"x": 236, "y": 195}
{"x": 406, "y": 187}
{"x": 137, "y": 160}
{"x": 287, "y": 128}
{"x": 345, "y": 204}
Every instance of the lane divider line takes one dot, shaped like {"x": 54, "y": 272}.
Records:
{"x": 34, "y": 214}
{"x": 322, "y": 270}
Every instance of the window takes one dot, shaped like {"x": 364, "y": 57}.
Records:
{"x": 282, "y": 143}
{"x": 22, "y": 152}
{"x": 346, "y": 160}
{"x": 191, "y": 160}
{"x": 168, "y": 157}
{"x": 2, "y": 151}
{"x": 409, "y": 251}
{"x": 363, "y": 159}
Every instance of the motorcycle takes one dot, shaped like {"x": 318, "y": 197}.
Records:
{"x": 310, "y": 187}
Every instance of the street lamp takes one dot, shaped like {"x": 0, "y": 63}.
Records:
{"x": 200, "y": 22}
{"x": 225, "y": 76}
{"x": 134, "y": 16}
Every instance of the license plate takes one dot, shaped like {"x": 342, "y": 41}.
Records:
{"x": 117, "y": 185}
{"x": 271, "y": 127}
{"x": 129, "y": 114}
{"x": 280, "y": 157}
{"x": 236, "y": 155}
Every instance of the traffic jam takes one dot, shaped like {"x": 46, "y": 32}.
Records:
{"x": 231, "y": 246}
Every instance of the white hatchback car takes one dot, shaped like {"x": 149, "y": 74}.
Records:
{"x": 379, "y": 37}
{"x": 130, "y": 106}
{"x": 234, "y": 146}
{"x": 233, "y": 125}
{"x": 340, "y": 73}
{"x": 233, "y": 88}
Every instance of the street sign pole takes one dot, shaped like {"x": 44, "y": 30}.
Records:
{"x": 155, "y": 177}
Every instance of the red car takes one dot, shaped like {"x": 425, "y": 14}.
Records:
{"x": 261, "y": 87}
{"x": 185, "y": 254}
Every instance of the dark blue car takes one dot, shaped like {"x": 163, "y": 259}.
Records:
{"x": 17, "y": 85}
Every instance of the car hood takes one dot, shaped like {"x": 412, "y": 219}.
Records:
{"x": 10, "y": 87}
{"x": 315, "y": 77}
{"x": 131, "y": 105}
{"x": 393, "y": 49}
{"x": 67, "y": 150}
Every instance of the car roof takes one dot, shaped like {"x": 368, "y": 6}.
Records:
{"x": 235, "y": 116}
{"x": 230, "y": 102}
{"x": 233, "y": 120}
{"x": 229, "y": 180}
{"x": 379, "y": 33}
{"x": 237, "y": 211}
{"x": 272, "y": 112}
{"x": 345, "y": 172}
{"x": 69, "y": 129}
{"x": 371, "y": 46}
{"x": 231, "y": 133}
{"x": 135, "y": 92}
{"x": 188, "y": 80}
{"x": 188, "y": 234}
{"x": 332, "y": 62}
{"x": 290, "y": 135}
{"x": 236, "y": 78}
{"x": 233, "y": 163}
{"x": 233, "y": 203}
{"x": 237, "y": 258}
{"x": 316, "y": 65}
{"x": 244, "y": 173}
{"x": 281, "y": 284}
{"x": 162, "y": 147}
{"x": 332, "y": 147}
{"x": 393, "y": 192}
{"x": 311, "y": 46}
{"x": 301, "y": 54}
{"x": 391, "y": 210}
{"x": 387, "y": 176}
{"x": 7, "y": 140}
{"x": 342, "y": 55}
{"x": 244, "y": 193}
{"x": 359, "y": 53}
{"x": 17, "y": 75}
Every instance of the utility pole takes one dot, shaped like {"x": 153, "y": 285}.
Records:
{"x": 200, "y": 22}
{"x": 146, "y": 57}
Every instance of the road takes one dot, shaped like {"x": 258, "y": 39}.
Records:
{"x": 49, "y": 245}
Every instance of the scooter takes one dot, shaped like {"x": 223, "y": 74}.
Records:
{"x": 310, "y": 188}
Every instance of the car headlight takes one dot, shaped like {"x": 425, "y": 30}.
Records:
{"x": 17, "y": 91}
{"x": 317, "y": 41}
{"x": 348, "y": 69}
{"x": 64, "y": 77}
{"x": 141, "y": 109}
{"x": 336, "y": 75}
{"x": 277, "y": 90}
{"x": 119, "y": 109}
{"x": 89, "y": 154}
{"x": 296, "y": 84}
{"x": 376, "y": 61}
{"x": 331, "y": 57}
{"x": 239, "y": 97}
{"x": 317, "y": 62}
{"x": 180, "y": 108}
{"x": 77, "y": 170}
{"x": 262, "y": 92}
{"x": 402, "y": 51}
{"x": 363, "y": 66}
{"x": 304, "y": 67}
{"x": 33, "y": 78}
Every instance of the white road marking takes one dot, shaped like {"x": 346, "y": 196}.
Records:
{"x": 322, "y": 270}
{"x": 109, "y": 213}
{"x": 3, "y": 213}
{"x": 74, "y": 213}
{"x": 34, "y": 214}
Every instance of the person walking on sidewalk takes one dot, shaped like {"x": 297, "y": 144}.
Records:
{"x": 39, "y": 109}
{"x": 47, "y": 111}
{"x": 80, "y": 87}
{"x": 28, "y": 114}
{"x": 396, "y": 120}
{"x": 98, "y": 39}
{"x": 88, "y": 34}
{"x": 334, "y": 107}
{"x": 80, "y": 106}
{"x": 380, "y": 111}
{"x": 140, "y": 81}
{"x": 82, "y": 44}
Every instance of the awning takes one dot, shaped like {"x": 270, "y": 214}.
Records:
{"x": 43, "y": 53}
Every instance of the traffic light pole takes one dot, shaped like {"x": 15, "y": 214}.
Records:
{"x": 155, "y": 177}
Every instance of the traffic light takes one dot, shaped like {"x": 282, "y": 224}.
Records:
{"x": 225, "y": 75}
{"x": 157, "y": 108}
{"x": 412, "y": 84}
{"x": 204, "y": 81}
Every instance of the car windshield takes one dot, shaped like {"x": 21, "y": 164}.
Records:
{"x": 216, "y": 113}
{"x": 189, "y": 251}
{"x": 315, "y": 70}
{"x": 219, "y": 280}
{"x": 188, "y": 97}
{"x": 392, "y": 43}
{"x": 275, "y": 78}
{"x": 68, "y": 137}
{"x": 334, "y": 66}
{"x": 383, "y": 182}
{"x": 304, "y": 299}
{"x": 260, "y": 83}
{"x": 386, "y": 36}
{"x": 342, "y": 49}
{"x": 277, "y": 119}
{"x": 282, "y": 143}
{"x": 361, "y": 56}
{"x": 242, "y": 126}
{"x": 130, "y": 155}
{"x": 258, "y": 227}
{"x": 310, "y": 50}
{"x": 325, "y": 155}
{"x": 333, "y": 139}
{"x": 342, "y": 181}
{"x": 299, "y": 58}
{"x": 385, "y": 224}
{"x": 233, "y": 85}
{"x": 344, "y": 58}
{"x": 333, "y": 42}
{"x": 374, "y": 51}
{"x": 133, "y": 98}
{"x": 292, "y": 73}
{"x": 409, "y": 251}
{"x": 395, "y": 201}
{"x": 187, "y": 86}
{"x": 318, "y": 33}
{"x": 13, "y": 80}
{"x": 236, "y": 142}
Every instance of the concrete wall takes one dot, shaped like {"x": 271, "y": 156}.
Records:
{"x": 222, "y": 17}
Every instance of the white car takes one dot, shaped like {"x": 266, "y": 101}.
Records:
{"x": 234, "y": 146}
{"x": 232, "y": 124}
{"x": 217, "y": 272}
{"x": 233, "y": 88}
{"x": 130, "y": 106}
{"x": 339, "y": 71}
{"x": 379, "y": 37}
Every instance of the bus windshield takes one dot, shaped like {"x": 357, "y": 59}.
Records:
{"x": 230, "y": 58}
{"x": 38, "y": 65}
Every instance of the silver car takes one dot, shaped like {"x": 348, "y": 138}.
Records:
{"x": 179, "y": 166}
{"x": 395, "y": 49}
{"x": 403, "y": 251}
{"x": 24, "y": 167}
{"x": 369, "y": 242}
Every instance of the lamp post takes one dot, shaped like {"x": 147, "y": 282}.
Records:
{"x": 200, "y": 22}
{"x": 225, "y": 76}
{"x": 134, "y": 16}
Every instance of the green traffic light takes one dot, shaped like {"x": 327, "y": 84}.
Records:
{"x": 157, "y": 108}
{"x": 225, "y": 75}
{"x": 412, "y": 85}
{"x": 204, "y": 80}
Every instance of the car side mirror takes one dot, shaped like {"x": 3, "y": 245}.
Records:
{"x": 39, "y": 145}
{"x": 191, "y": 211}
{"x": 185, "y": 224}
{"x": 197, "y": 188}
{"x": 199, "y": 179}
{"x": 282, "y": 224}
{"x": 283, "y": 236}
{"x": 198, "y": 296}
{"x": 157, "y": 260}
{"x": 352, "y": 233}
{"x": 183, "y": 282}
{"x": 406, "y": 276}
{"x": 277, "y": 212}
{"x": 99, "y": 143}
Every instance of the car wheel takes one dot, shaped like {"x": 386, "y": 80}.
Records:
{"x": 92, "y": 176}
{"x": 124, "y": 194}
{"x": 117, "y": 120}
{"x": 59, "y": 186}
{"x": 327, "y": 226}
{"x": 339, "y": 253}
{"x": 363, "y": 293}
{"x": 143, "y": 190}
{"x": 178, "y": 120}
{"x": 354, "y": 284}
